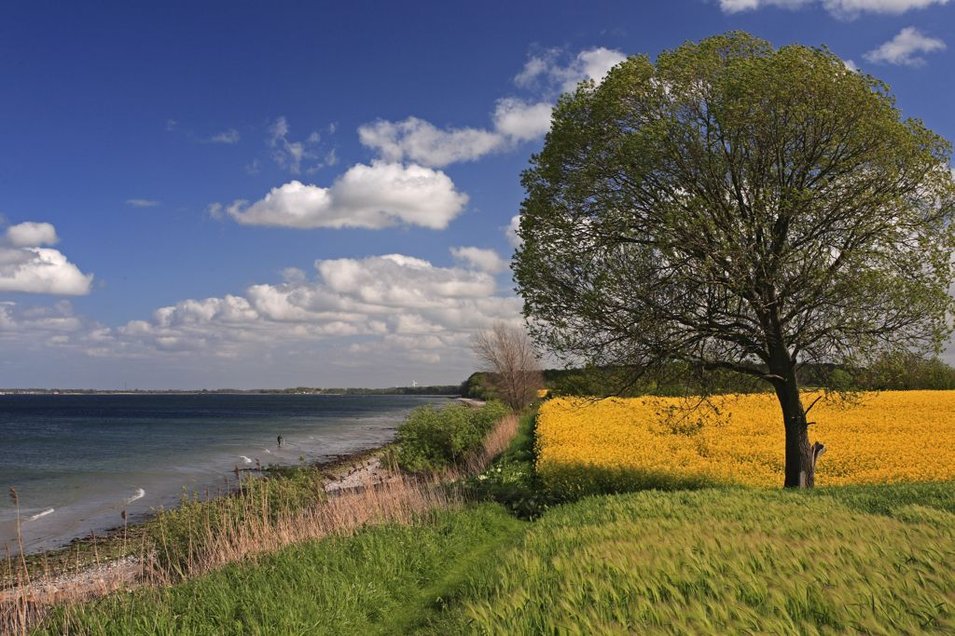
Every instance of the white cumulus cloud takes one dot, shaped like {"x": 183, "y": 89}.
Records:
{"x": 417, "y": 140}
{"x": 26, "y": 266}
{"x": 514, "y": 120}
{"x": 482, "y": 259}
{"x": 851, "y": 8}
{"x": 366, "y": 196}
{"x": 844, "y": 9}
{"x": 30, "y": 234}
{"x": 394, "y": 305}
{"x": 420, "y": 141}
{"x": 549, "y": 68}
{"x": 518, "y": 120}
{"x": 905, "y": 48}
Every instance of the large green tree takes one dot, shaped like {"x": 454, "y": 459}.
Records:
{"x": 735, "y": 206}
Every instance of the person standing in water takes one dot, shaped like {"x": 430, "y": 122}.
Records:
{"x": 280, "y": 441}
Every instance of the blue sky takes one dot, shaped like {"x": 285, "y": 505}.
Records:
{"x": 203, "y": 195}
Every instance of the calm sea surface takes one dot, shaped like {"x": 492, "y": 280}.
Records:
{"x": 78, "y": 461}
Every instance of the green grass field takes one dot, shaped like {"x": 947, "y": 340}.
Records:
{"x": 874, "y": 559}
{"x": 727, "y": 561}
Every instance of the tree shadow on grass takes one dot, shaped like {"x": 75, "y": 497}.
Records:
{"x": 576, "y": 480}
{"x": 528, "y": 494}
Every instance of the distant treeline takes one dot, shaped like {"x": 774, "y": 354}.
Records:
{"x": 450, "y": 389}
{"x": 897, "y": 372}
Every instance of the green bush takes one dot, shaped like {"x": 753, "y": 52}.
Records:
{"x": 432, "y": 439}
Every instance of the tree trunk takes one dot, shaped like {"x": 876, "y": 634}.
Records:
{"x": 801, "y": 457}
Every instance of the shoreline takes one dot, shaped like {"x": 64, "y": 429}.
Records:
{"x": 70, "y": 491}
{"x": 336, "y": 496}
{"x": 94, "y": 563}
{"x": 90, "y": 560}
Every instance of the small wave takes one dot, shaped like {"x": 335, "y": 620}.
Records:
{"x": 46, "y": 512}
{"x": 267, "y": 451}
{"x": 140, "y": 493}
{"x": 247, "y": 460}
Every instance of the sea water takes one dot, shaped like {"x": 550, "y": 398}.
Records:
{"x": 78, "y": 462}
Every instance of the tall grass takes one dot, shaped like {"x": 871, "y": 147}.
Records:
{"x": 723, "y": 561}
{"x": 388, "y": 578}
{"x": 229, "y": 535}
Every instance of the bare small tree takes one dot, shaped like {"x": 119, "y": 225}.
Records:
{"x": 508, "y": 354}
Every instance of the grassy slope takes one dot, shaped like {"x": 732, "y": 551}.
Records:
{"x": 872, "y": 560}
{"x": 384, "y": 579}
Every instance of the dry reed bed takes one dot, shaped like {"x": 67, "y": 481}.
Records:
{"x": 385, "y": 496}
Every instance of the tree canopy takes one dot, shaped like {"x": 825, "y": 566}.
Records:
{"x": 736, "y": 206}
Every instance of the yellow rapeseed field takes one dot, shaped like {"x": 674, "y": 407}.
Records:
{"x": 893, "y": 436}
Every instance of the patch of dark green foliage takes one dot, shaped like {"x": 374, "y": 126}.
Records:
{"x": 432, "y": 439}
